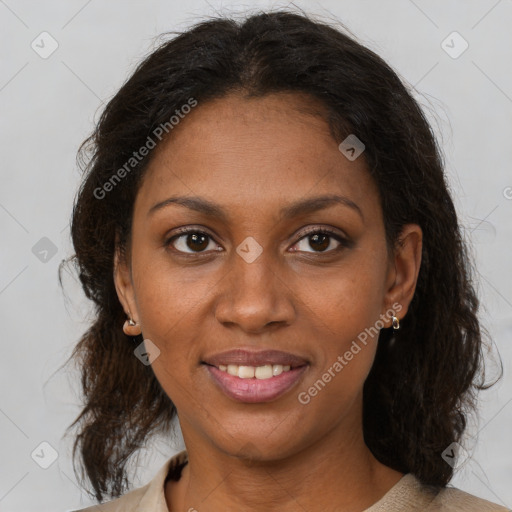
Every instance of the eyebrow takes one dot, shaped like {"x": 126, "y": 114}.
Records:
{"x": 295, "y": 209}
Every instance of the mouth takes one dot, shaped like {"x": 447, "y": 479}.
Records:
{"x": 251, "y": 377}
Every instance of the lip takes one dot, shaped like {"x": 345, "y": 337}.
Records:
{"x": 244, "y": 357}
{"x": 255, "y": 390}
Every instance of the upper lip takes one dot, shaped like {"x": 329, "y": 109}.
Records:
{"x": 243, "y": 357}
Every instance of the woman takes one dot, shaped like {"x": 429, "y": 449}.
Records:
{"x": 266, "y": 232}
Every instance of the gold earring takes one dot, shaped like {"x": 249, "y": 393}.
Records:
{"x": 396, "y": 323}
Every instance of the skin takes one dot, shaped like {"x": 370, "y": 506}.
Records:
{"x": 252, "y": 157}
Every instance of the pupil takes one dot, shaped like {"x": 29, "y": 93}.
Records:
{"x": 198, "y": 241}
{"x": 323, "y": 244}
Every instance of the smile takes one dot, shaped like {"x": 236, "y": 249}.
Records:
{"x": 252, "y": 389}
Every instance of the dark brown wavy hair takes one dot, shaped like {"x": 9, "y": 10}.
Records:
{"x": 424, "y": 381}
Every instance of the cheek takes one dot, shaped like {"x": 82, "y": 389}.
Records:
{"x": 346, "y": 300}
{"x": 168, "y": 295}
{"x": 169, "y": 302}
{"x": 343, "y": 309}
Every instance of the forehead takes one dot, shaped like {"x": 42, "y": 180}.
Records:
{"x": 254, "y": 151}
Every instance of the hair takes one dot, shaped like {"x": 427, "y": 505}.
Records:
{"x": 423, "y": 383}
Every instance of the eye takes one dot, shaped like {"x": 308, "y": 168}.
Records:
{"x": 321, "y": 241}
{"x": 196, "y": 241}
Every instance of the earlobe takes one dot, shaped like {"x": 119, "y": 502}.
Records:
{"x": 131, "y": 328}
{"x": 405, "y": 270}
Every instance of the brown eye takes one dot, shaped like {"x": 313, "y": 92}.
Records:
{"x": 321, "y": 241}
{"x": 191, "y": 241}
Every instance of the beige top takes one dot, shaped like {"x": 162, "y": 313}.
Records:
{"x": 407, "y": 495}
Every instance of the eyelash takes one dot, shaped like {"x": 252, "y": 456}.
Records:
{"x": 344, "y": 243}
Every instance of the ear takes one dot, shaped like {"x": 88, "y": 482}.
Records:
{"x": 403, "y": 271}
{"x": 126, "y": 293}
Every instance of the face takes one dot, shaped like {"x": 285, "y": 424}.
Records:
{"x": 255, "y": 272}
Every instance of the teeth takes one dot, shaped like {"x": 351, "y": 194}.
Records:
{"x": 246, "y": 372}
{"x": 264, "y": 372}
{"x": 260, "y": 372}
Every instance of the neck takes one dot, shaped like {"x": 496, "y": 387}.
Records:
{"x": 336, "y": 473}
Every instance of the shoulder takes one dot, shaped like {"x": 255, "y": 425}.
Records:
{"x": 126, "y": 503}
{"x": 410, "y": 494}
{"x": 451, "y": 499}
{"x": 149, "y": 497}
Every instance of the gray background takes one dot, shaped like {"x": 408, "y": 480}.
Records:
{"x": 48, "y": 106}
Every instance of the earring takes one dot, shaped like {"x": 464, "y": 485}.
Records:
{"x": 131, "y": 322}
{"x": 396, "y": 323}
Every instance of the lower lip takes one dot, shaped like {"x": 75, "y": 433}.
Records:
{"x": 255, "y": 390}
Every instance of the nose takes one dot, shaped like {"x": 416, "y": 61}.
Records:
{"x": 254, "y": 296}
